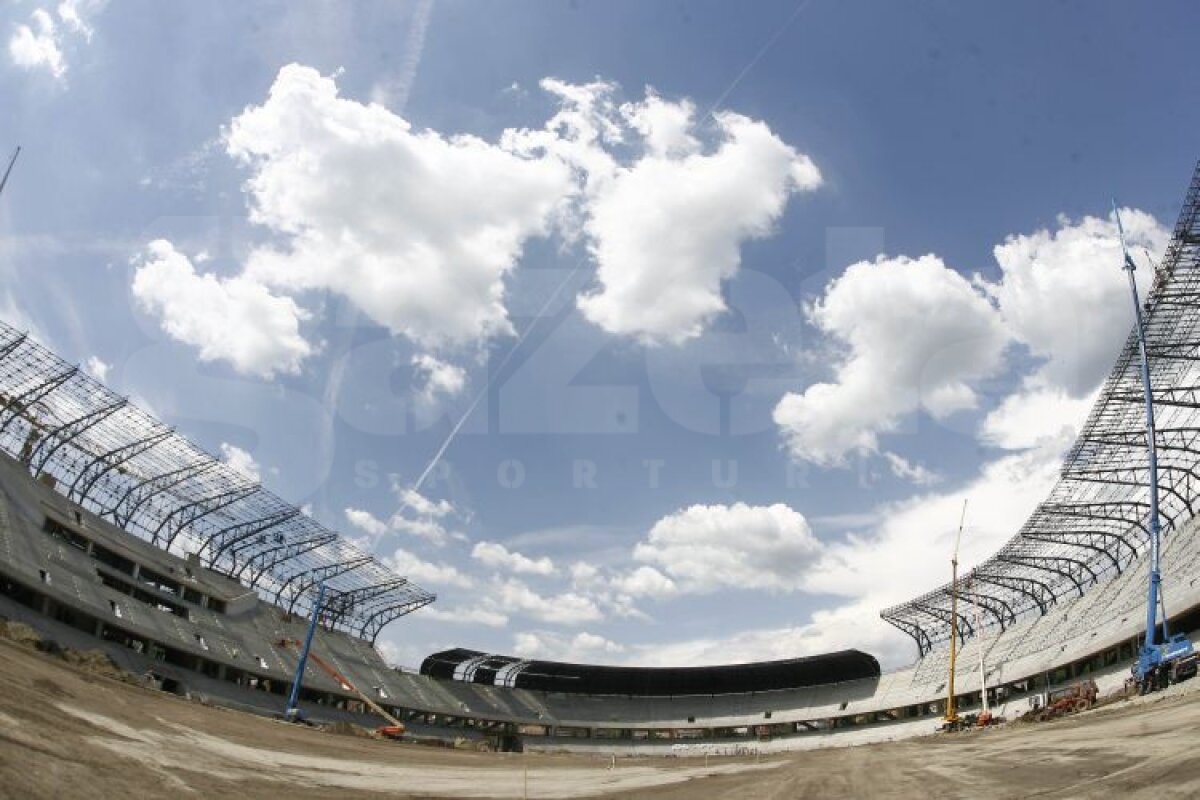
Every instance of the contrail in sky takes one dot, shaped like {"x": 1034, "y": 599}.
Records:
{"x": 775, "y": 37}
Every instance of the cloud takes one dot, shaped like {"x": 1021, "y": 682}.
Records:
{"x": 469, "y": 615}
{"x": 1031, "y": 416}
{"x": 424, "y": 528}
{"x": 38, "y": 45}
{"x": 919, "y": 533}
{"x": 367, "y": 522}
{"x": 645, "y": 581}
{"x": 74, "y": 13}
{"x": 666, "y": 230}
{"x": 617, "y": 590}
{"x": 858, "y": 569}
{"x": 568, "y": 608}
{"x": 235, "y": 320}
{"x": 410, "y": 498}
{"x": 582, "y": 647}
{"x": 1063, "y": 295}
{"x": 913, "y": 473}
{"x": 666, "y": 128}
{"x": 97, "y": 368}
{"x": 498, "y": 556}
{"x": 420, "y": 230}
{"x": 915, "y": 334}
{"x": 427, "y": 572}
{"x": 705, "y": 548}
{"x": 850, "y": 627}
{"x": 241, "y": 461}
{"x": 417, "y": 516}
{"x": 417, "y": 229}
{"x": 439, "y": 377}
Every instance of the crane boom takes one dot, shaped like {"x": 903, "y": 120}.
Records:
{"x": 8, "y": 171}
{"x": 343, "y": 681}
{"x": 951, "y": 713}
{"x": 1153, "y": 653}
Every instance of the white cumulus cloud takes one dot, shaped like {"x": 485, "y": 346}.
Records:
{"x": 366, "y": 522}
{"x": 427, "y": 572}
{"x": 75, "y": 15}
{"x": 417, "y": 516}
{"x": 916, "y": 334}
{"x": 906, "y": 470}
{"x": 567, "y": 608}
{"x": 438, "y": 377}
{"x": 241, "y": 461}
{"x": 36, "y": 45}
{"x": 39, "y": 44}
{"x": 418, "y": 229}
{"x": 1062, "y": 294}
{"x": 482, "y": 614}
{"x": 667, "y": 229}
{"x": 645, "y": 581}
{"x": 1033, "y": 415}
{"x": 583, "y": 647}
{"x": 97, "y": 368}
{"x": 235, "y": 320}
{"x": 497, "y": 556}
{"x": 860, "y": 570}
{"x": 705, "y": 548}
{"x": 421, "y": 229}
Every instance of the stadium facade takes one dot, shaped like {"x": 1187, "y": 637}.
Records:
{"x": 117, "y": 533}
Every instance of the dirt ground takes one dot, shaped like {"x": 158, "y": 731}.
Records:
{"x": 66, "y": 732}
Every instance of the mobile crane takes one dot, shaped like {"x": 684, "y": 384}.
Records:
{"x": 394, "y": 730}
{"x": 1154, "y": 654}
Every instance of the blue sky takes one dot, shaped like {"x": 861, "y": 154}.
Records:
{"x": 735, "y": 305}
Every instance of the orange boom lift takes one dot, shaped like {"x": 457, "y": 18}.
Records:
{"x": 394, "y": 730}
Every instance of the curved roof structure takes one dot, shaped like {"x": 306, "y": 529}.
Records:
{"x": 116, "y": 460}
{"x": 1094, "y": 523}
{"x": 473, "y": 666}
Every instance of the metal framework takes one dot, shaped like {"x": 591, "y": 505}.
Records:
{"x": 112, "y": 458}
{"x": 1095, "y": 522}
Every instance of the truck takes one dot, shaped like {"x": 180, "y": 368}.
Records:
{"x": 1160, "y": 665}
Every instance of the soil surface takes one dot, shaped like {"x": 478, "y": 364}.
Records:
{"x": 68, "y": 732}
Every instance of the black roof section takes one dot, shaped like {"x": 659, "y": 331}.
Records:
{"x": 473, "y": 666}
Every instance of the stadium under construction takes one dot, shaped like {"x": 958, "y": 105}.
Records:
{"x": 118, "y": 534}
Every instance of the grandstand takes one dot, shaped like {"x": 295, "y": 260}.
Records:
{"x": 117, "y": 533}
{"x": 112, "y": 458}
{"x": 1094, "y": 524}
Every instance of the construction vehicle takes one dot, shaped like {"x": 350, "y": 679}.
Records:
{"x": 393, "y": 730}
{"x": 1185, "y": 667}
{"x": 1155, "y": 657}
{"x": 1060, "y": 702}
{"x": 950, "y": 722}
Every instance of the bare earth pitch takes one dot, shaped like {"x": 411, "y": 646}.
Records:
{"x": 68, "y": 733}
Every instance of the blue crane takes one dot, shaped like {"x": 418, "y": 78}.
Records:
{"x": 1153, "y": 653}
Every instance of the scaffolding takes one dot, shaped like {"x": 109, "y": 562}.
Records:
{"x": 114, "y": 459}
{"x": 1095, "y": 522}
